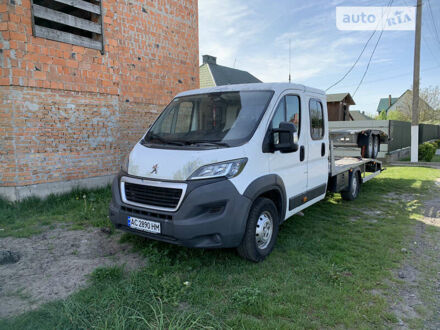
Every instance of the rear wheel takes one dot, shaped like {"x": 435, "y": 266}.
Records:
{"x": 369, "y": 147}
{"x": 353, "y": 188}
{"x": 375, "y": 146}
{"x": 261, "y": 231}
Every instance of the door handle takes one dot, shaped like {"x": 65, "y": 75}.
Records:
{"x": 323, "y": 149}
{"x": 302, "y": 153}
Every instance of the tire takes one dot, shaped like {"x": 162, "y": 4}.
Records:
{"x": 354, "y": 187}
{"x": 261, "y": 231}
{"x": 376, "y": 142}
{"x": 367, "y": 150}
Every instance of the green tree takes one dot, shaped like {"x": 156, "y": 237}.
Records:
{"x": 382, "y": 115}
{"x": 396, "y": 115}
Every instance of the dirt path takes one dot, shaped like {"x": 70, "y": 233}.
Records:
{"x": 418, "y": 301}
{"x": 55, "y": 264}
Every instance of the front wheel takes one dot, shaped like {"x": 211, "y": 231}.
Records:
{"x": 353, "y": 188}
{"x": 261, "y": 231}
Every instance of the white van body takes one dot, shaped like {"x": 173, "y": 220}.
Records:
{"x": 291, "y": 180}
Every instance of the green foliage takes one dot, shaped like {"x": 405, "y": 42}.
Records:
{"x": 103, "y": 274}
{"x": 427, "y": 151}
{"x": 396, "y": 115}
{"x": 246, "y": 296}
{"x": 382, "y": 115}
{"x": 78, "y": 209}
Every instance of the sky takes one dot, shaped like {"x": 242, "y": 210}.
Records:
{"x": 253, "y": 35}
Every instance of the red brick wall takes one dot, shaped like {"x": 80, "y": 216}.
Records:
{"x": 69, "y": 112}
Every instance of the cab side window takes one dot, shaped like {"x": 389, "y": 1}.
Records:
{"x": 288, "y": 110}
{"x": 279, "y": 114}
{"x": 316, "y": 120}
{"x": 292, "y": 110}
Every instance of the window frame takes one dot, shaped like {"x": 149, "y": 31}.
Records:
{"x": 285, "y": 111}
{"x": 47, "y": 13}
{"x": 310, "y": 119}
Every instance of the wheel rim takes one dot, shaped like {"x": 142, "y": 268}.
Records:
{"x": 370, "y": 148}
{"x": 264, "y": 230}
{"x": 354, "y": 185}
{"x": 376, "y": 146}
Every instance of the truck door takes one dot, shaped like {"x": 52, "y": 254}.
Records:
{"x": 317, "y": 150}
{"x": 291, "y": 167}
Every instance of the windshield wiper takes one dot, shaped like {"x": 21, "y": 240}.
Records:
{"x": 207, "y": 143}
{"x": 154, "y": 136}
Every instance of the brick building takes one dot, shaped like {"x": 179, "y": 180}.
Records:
{"x": 81, "y": 80}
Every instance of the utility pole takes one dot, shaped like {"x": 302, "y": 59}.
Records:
{"x": 416, "y": 85}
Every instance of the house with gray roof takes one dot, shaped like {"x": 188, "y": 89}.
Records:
{"x": 403, "y": 104}
{"x": 212, "y": 74}
{"x": 359, "y": 115}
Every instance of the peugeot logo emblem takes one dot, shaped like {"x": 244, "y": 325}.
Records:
{"x": 154, "y": 170}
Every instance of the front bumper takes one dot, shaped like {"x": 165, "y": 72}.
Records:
{"x": 212, "y": 214}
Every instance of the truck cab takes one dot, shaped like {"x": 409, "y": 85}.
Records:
{"x": 224, "y": 167}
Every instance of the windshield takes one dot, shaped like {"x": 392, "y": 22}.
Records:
{"x": 222, "y": 119}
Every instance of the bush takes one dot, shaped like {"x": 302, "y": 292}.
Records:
{"x": 427, "y": 151}
{"x": 438, "y": 144}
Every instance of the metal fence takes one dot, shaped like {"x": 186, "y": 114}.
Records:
{"x": 428, "y": 132}
{"x": 399, "y": 134}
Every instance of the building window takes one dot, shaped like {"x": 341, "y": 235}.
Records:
{"x": 77, "y": 22}
{"x": 316, "y": 120}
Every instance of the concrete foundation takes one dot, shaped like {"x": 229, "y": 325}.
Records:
{"x": 43, "y": 190}
{"x": 398, "y": 154}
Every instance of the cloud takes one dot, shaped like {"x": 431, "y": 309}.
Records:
{"x": 225, "y": 27}
{"x": 255, "y": 36}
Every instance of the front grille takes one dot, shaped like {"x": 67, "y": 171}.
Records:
{"x": 153, "y": 196}
{"x": 150, "y": 215}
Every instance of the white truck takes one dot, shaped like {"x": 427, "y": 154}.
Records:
{"x": 224, "y": 167}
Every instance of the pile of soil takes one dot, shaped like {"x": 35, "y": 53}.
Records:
{"x": 55, "y": 264}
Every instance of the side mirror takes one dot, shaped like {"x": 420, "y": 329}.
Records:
{"x": 285, "y": 138}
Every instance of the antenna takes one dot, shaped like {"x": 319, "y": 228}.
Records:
{"x": 290, "y": 61}
{"x": 235, "y": 61}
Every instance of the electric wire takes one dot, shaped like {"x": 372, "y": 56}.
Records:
{"x": 359, "y": 57}
{"x": 371, "y": 56}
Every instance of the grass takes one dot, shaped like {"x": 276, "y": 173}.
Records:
{"x": 322, "y": 273}
{"x": 76, "y": 210}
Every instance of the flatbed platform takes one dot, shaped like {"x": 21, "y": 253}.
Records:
{"x": 346, "y": 163}
{"x": 340, "y": 166}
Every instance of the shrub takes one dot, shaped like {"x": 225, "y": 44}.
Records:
{"x": 427, "y": 151}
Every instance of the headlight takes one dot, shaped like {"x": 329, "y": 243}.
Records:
{"x": 227, "y": 169}
{"x": 124, "y": 165}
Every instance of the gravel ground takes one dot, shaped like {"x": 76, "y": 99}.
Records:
{"x": 418, "y": 293}
{"x": 55, "y": 264}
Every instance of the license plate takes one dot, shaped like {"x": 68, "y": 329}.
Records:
{"x": 144, "y": 225}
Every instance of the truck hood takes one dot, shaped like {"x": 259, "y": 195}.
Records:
{"x": 176, "y": 165}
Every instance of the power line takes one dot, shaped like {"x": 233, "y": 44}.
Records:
{"x": 355, "y": 62}
{"x": 424, "y": 40}
{"x": 368, "y": 64}
{"x": 371, "y": 56}
{"x": 395, "y": 76}
{"x": 358, "y": 58}
{"x": 433, "y": 21}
